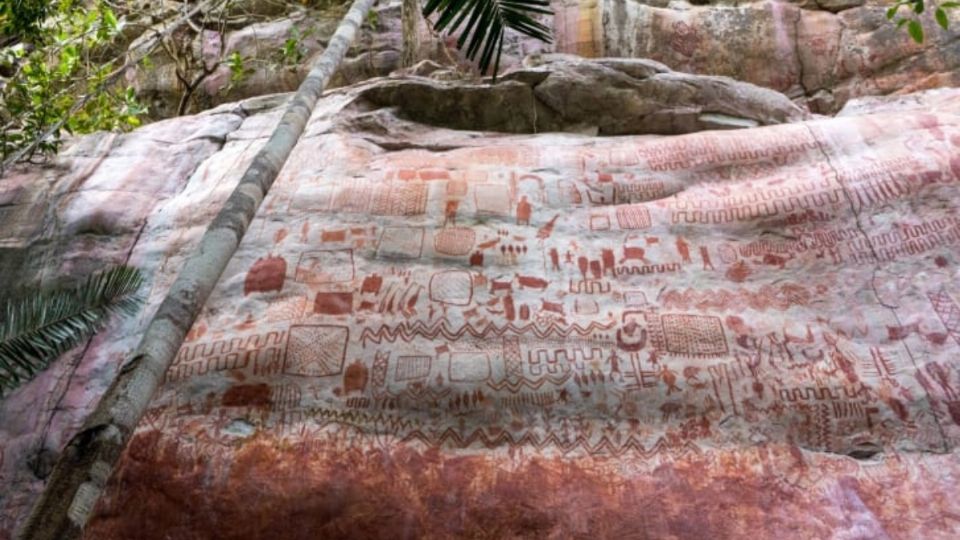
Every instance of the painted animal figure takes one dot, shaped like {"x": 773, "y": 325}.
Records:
{"x": 532, "y": 282}
{"x": 670, "y": 408}
{"x": 500, "y": 286}
{"x": 555, "y": 307}
{"x": 775, "y": 260}
{"x": 633, "y": 254}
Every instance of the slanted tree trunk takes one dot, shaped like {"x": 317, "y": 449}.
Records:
{"x": 87, "y": 461}
{"x": 410, "y": 26}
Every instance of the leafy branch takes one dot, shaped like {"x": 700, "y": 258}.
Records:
{"x": 916, "y": 8}
{"x": 42, "y": 325}
{"x": 484, "y": 23}
{"x": 60, "y": 84}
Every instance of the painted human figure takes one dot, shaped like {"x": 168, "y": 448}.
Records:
{"x": 596, "y": 270}
{"x": 614, "y": 362}
{"x": 583, "y": 264}
{"x": 683, "y": 248}
{"x": 524, "y": 210}
{"x": 705, "y": 255}
{"x": 555, "y": 259}
{"x": 669, "y": 378}
{"x": 450, "y": 212}
{"x": 609, "y": 260}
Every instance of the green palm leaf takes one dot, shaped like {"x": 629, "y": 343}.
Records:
{"x": 484, "y": 22}
{"x": 41, "y": 325}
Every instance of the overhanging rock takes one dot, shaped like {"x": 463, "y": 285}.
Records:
{"x": 609, "y": 96}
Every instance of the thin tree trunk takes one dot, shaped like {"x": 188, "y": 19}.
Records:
{"x": 410, "y": 28}
{"x": 82, "y": 471}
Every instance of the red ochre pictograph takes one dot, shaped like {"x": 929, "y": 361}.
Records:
{"x": 545, "y": 327}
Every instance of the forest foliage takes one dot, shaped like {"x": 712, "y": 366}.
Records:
{"x": 58, "y": 65}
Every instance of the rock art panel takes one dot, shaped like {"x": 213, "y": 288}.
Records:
{"x": 721, "y": 333}
{"x": 315, "y": 350}
{"x": 644, "y": 325}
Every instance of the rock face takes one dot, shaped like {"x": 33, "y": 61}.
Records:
{"x": 608, "y": 96}
{"x": 275, "y": 51}
{"x": 820, "y": 54}
{"x": 429, "y": 332}
{"x": 108, "y": 199}
{"x": 803, "y": 49}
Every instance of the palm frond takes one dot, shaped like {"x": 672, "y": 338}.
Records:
{"x": 41, "y": 325}
{"x": 484, "y": 22}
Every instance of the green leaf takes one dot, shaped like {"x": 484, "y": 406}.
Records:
{"x": 41, "y": 325}
{"x": 941, "y": 17}
{"x": 109, "y": 19}
{"x": 918, "y": 6}
{"x": 950, "y": 5}
{"x": 892, "y": 12}
{"x": 915, "y": 30}
{"x": 482, "y": 24}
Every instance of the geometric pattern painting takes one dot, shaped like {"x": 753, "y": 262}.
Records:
{"x": 694, "y": 335}
{"x": 316, "y": 350}
{"x": 451, "y": 287}
{"x": 413, "y": 367}
{"x": 948, "y": 310}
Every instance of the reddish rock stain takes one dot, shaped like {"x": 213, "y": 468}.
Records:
{"x": 276, "y": 489}
{"x": 247, "y": 395}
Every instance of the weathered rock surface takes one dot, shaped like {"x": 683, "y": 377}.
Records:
{"x": 606, "y": 96}
{"x": 108, "y": 199}
{"x": 819, "y": 53}
{"x": 266, "y": 67}
{"x": 277, "y": 48}
{"x": 431, "y": 333}
{"x": 800, "y": 48}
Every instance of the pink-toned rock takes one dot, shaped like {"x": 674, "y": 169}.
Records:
{"x": 818, "y": 57}
{"x": 819, "y": 53}
{"x": 142, "y": 199}
{"x": 429, "y": 332}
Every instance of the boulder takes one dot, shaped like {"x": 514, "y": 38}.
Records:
{"x": 804, "y": 50}
{"x": 606, "y": 96}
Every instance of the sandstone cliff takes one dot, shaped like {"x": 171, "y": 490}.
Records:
{"x": 819, "y": 53}
{"x": 586, "y": 310}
